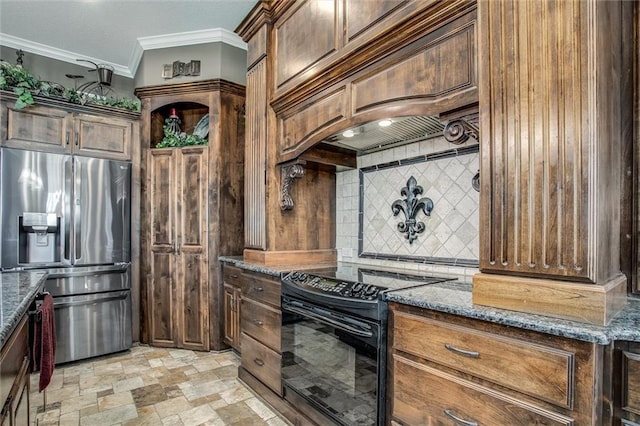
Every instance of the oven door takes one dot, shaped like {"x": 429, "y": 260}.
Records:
{"x": 332, "y": 361}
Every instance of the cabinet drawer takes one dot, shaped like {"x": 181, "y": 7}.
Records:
{"x": 261, "y": 288}
{"x": 262, "y": 323}
{"x": 543, "y": 372}
{"x": 423, "y": 395}
{"x": 631, "y": 392}
{"x": 262, "y": 362}
{"x": 232, "y": 275}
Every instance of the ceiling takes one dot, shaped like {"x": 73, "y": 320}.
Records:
{"x": 116, "y": 32}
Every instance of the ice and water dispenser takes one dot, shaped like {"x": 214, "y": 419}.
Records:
{"x": 39, "y": 238}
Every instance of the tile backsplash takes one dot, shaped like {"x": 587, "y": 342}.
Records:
{"x": 367, "y": 231}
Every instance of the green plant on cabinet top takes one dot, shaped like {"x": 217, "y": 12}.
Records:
{"x": 25, "y": 85}
{"x": 173, "y": 139}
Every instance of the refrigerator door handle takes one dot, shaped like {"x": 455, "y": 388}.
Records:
{"x": 68, "y": 171}
{"x": 77, "y": 213}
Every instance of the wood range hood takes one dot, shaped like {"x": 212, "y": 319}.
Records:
{"x": 554, "y": 116}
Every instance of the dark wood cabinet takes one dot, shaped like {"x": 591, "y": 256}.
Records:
{"x": 232, "y": 305}
{"x": 260, "y": 325}
{"x": 178, "y": 278}
{"x": 626, "y": 382}
{"x": 192, "y": 212}
{"x": 14, "y": 377}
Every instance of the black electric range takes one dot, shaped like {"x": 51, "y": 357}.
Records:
{"x": 353, "y": 288}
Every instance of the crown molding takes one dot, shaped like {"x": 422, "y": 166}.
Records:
{"x": 58, "y": 54}
{"x": 143, "y": 43}
{"x": 192, "y": 37}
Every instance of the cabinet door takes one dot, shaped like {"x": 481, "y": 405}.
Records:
{"x": 20, "y": 415}
{"x": 105, "y": 137}
{"x": 37, "y": 128}
{"x": 229, "y": 315}
{"x": 191, "y": 251}
{"x": 232, "y": 306}
{"x": 161, "y": 218}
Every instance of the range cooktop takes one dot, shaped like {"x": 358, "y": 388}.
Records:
{"x": 350, "y": 288}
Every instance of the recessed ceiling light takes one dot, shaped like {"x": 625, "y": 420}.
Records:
{"x": 384, "y": 123}
{"x": 348, "y": 133}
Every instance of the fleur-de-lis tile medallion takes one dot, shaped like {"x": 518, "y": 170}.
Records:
{"x": 410, "y": 206}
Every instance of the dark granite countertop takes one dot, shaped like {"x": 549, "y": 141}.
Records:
{"x": 455, "y": 297}
{"x": 17, "y": 290}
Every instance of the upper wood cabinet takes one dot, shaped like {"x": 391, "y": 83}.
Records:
{"x": 44, "y": 128}
{"x": 552, "y": 135}
{"x": 391, "y": 64}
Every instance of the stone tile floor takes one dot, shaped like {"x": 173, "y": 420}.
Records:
{"x": 150, "y": 386}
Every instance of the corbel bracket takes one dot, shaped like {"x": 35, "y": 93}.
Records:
{"x": 289, "y": 172}
{"x": 459, "y": 130}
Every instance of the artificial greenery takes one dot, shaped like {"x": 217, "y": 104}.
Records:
{"x": 26, "y": 85}
{"x": 174, "y": 139}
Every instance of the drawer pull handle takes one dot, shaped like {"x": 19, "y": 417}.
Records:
{"x": 470, "y": 354}
{"x": 259, "y": 362}
{"x": 234, "y": 275}
{"x": 257, "y": 322}
{"x": 457, "y": 419}
{"x": 258, "y": 288}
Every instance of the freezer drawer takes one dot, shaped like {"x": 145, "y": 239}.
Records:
{"x": 88, "y": 280}
{"x": 92, "y": 325}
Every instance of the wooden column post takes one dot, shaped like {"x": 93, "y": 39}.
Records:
{"x": 551, "y": 156}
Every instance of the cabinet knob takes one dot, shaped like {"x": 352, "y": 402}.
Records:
{"x": 258, "y": 288}
{"x": 259, "y": 362}
{"x": 257, "y": 322}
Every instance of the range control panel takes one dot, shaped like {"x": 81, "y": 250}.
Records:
{"x": 346, "y": 289}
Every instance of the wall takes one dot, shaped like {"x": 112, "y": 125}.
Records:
{"x": 48, "y": 69}
{"x": 366, "y": 230}
{"x": 217, "y": 60}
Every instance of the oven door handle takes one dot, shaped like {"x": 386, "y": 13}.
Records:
{"x": 327, "y": 321}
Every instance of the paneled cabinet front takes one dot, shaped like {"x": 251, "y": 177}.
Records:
{"x": 231, "y": 305}
{"x": 260, "y": 325}
{"x": 14, "y": 380}
{"x": 445, "y": 369}
{"x": 178, "y": 253}
{"x": 42, "y": 128}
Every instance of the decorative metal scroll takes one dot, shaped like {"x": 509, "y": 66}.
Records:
{"x": 459, "y": 130}
{"x": 410, "y": 206}
{"x": 475, "y": 181}
{"x": 289, "y": 172}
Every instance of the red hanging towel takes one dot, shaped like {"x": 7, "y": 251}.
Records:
{"x": 44, "y": 341}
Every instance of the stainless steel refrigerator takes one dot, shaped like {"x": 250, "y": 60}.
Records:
{"x": 71, "y": 216}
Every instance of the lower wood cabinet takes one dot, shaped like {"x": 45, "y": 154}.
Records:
{"x": 14, "y": 377}
{"x": 446, "y": 369}
{"x": 260, "y": 325}
{"x": 232, "y": 306}
{"x": 627, "y": 376}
